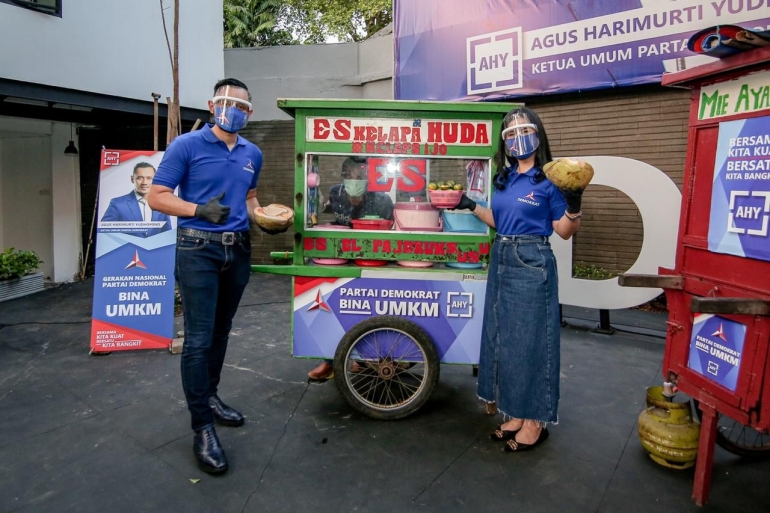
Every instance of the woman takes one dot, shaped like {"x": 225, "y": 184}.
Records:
{"x": 519, "y": 364}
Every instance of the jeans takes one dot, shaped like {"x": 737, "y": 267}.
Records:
{"x": 211, "y": 279}
{"x": 520, "y": 338}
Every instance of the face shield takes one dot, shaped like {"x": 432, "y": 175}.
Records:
{"x": 230, "y": 113}
{"x": 520, "y": 138}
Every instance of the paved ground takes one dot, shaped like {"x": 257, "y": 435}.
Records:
{"x": 85, "y": 433}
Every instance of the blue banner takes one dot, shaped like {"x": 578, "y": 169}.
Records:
{"x": 493, "y": 49}
{"x": 740, "y": 198}
{"x": 133, "y": 304}
{"x": 716, "y": 349}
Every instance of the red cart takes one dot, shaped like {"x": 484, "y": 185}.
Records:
{"x": 719, "y": 292}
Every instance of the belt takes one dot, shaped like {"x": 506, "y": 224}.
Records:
{"x": 523, "y": 238}
{"x": 224, "y": 238}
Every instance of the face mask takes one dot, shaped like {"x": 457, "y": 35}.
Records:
{"x": 230, "y": 113}
{"x": 230, "y": 119}
{"x": 521, "y": 140}
{"x": 355, "y": 188}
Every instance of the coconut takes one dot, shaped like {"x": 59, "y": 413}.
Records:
{"x": 274, "y": 217}
{"x": 569, "y": 174}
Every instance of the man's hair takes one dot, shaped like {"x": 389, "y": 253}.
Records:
{"x": 143, "y": 164}
{"x": 232, "y": 82}
{"x": 353, "y": 164}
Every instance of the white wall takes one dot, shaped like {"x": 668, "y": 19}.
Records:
{"x": 350, "y": 70}
{"x": 115, "y": 48}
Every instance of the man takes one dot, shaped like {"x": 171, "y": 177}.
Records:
{"x": 347, "y": 201}
{"x": 216, "y": 171}
{"x": 350, "y": 199}
{"x": 133, "y": 206}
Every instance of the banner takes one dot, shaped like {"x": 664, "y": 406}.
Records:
{"x": 740, "y": 197}
{"x": 133, "y": 304}
{"x": 716, "y": 348}
{"x": 493, "y": 49}
{"x": 450, "y": 311}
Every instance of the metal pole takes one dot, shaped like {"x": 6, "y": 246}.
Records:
{"x": 155, "y": 97}
{"x": 604, "y": 323}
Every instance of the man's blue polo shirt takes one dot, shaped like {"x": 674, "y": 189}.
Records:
{"x": 525, "y": 207}
{"x": 202, "y": 167}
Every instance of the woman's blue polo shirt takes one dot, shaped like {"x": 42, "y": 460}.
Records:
{"x": 525, "y": 207}
{"x": 202, "y": 167}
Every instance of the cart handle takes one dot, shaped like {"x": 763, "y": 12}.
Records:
{"x": 730, "y": 305}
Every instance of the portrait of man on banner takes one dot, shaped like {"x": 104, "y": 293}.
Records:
{"x": 128, "y": 212}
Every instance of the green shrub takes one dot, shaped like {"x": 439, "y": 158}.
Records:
{"x": 591, "y": 272}
{"x": 15, "y": 264}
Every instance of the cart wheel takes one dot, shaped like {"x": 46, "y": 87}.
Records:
{"x": 386, "y": 367}
{"x": 739, "y": 439}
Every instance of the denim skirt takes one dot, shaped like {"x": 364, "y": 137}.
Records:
{"x": 519, "y": 361}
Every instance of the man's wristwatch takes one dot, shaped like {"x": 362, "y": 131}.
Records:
{"x": 574, "y": 217}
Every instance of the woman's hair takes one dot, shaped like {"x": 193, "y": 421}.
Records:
{"x": 542, "y": 154}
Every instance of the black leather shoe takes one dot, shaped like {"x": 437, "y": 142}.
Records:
{"x": 209, "y": 452}
{"x": 224, "y": 414}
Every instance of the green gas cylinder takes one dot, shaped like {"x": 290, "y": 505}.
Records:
{"x": 667, "y": 431}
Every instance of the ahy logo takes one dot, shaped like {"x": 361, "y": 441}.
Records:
{"x": 249, "y": 167}
{"x": 494, "y": 61}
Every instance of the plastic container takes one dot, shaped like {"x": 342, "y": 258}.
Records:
{"x": 462, "y": 221}
{"x": 423, "y": 217}
{"x": 463, "y": 265}
{"x": 414, "y": 263}
{"x": 445, "y": 199}
{"x": 371, "y": 224}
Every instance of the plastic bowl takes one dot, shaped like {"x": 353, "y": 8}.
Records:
{"x": 330, "y": 261}
{"x": 445, "y": 199}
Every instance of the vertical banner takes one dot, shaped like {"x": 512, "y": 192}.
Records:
{"x": 740, "y": 201}
{"x": 716, "y": 348}
{"x": 133, "y": 304}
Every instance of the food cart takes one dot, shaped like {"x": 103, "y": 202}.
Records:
{"x": 719, "y": 292}
{"x": 389, "y": 299}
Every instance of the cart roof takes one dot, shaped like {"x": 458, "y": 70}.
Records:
{"x": 693, "y": 77}
{"x": 290, "y": 105}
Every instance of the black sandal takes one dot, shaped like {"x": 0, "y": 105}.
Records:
{"x": 501, "y": 435}
{"x": 514, "y": 446}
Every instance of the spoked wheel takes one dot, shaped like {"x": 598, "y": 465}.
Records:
{"x": 386, "y": 367}
{"x": 738, "y": 438}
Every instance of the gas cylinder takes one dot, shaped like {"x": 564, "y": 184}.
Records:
{"x": 667, "y": 431}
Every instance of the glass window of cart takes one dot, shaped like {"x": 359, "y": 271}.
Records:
{"x": 401, "y": 193}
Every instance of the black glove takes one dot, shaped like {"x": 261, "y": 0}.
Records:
{"x": 465, "y": 202}
{"x": 574, "y": 199}
{"x": 213, "y": 211}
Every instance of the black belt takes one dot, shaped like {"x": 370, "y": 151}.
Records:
{"x": 224, "y": 238}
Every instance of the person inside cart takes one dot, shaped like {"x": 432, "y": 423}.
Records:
{"x": 519, "y": 360}
{"x": 347, "y": 201}
{"x": 350, "y": 199}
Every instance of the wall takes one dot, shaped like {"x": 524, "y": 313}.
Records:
{"x": 276, "y": 181}
{"x": 40, "y": 194}
{"x": 645, "y": 123}
{"x": 349, "y": 70}
{"x": 114, "y": 48}
{"x": 26, "y": 202}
